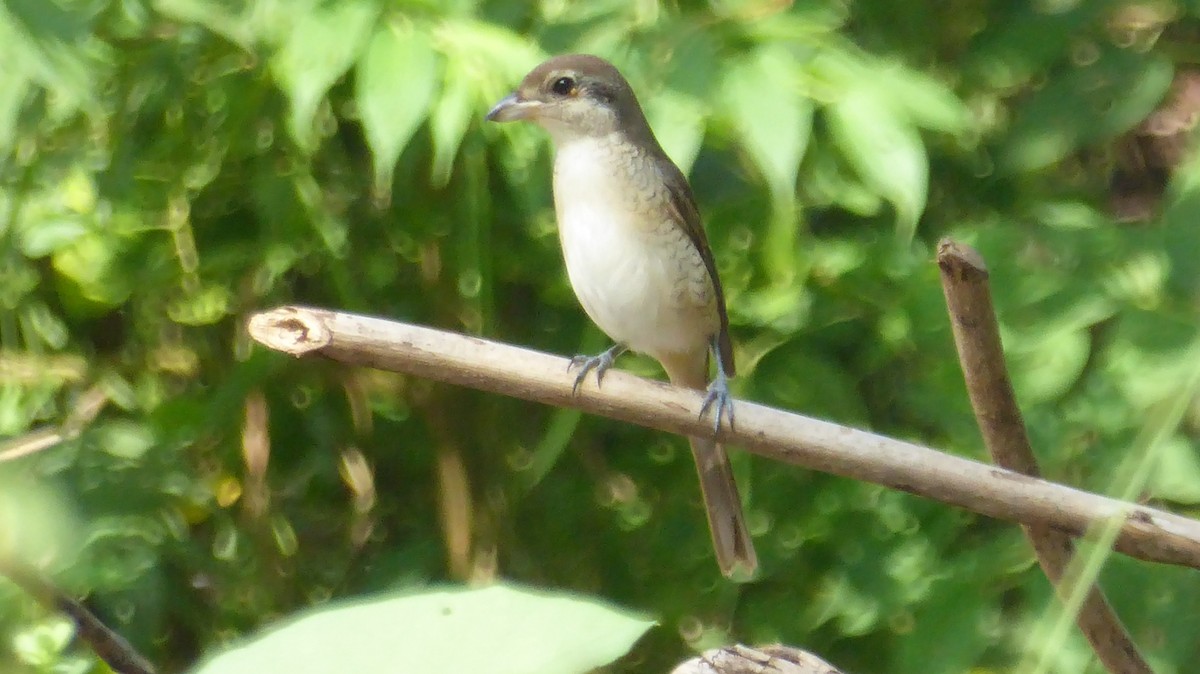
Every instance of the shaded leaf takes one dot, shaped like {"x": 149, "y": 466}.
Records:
{"x": 452, "y": 115}
{"x": 394, "y": 85}
{"x": 318, "y": 48}
{"x": 1084, "y": 104}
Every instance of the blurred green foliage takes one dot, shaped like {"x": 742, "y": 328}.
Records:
{"x": 169, "y": 166}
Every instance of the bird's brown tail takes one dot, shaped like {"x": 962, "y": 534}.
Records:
{"x": 731, "y": 538}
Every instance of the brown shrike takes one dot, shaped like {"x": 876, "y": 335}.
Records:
{"x": 637, "y": 256}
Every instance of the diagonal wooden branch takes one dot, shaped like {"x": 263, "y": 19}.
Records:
{"x": 977, "y": 336}
{"x": 109, "y": 646}
{"x": 1146, "y": 533}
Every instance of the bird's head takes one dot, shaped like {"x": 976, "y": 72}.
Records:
{"x": 573, "y": 96}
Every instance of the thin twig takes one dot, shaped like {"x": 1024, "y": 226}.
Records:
{"x": 83, "y": 413}
{"x": 109, "y": 646}
{"x": 1146, "y": 533}
{"x": 977, "y": 335}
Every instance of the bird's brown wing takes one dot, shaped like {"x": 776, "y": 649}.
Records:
{"x": 683, "y": 209}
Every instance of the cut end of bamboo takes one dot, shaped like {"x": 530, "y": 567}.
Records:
{"x": 292, "y": 330}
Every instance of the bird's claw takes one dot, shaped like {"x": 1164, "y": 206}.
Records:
{"x": 586, "y": 364}
{"x": 718, "y": 397}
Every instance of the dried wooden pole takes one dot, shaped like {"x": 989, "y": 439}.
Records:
{"x": 1145, "y": 533}
{"x": 977, "y": 336}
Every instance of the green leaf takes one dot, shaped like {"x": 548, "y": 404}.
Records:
{"x": 50, "y": 235}
{"x": 14, "y": 87}
{"x": 1177, "y": 473}
{"x": 678, "y": 123}
{"x": 1043, "y": 372}
{"x": 884, "y": 149}
{"x": 319, "y": 47}
{"x": 394, "y": 85}
{"x": 772, "y": 116}
{"x": 40, "y": 530}
{"x": 451, "y": 117}
{"x": 928, "y": 103}
{"x": 211, "y": 15}
{"x": 498, "y": 630}
{"x": 479, "y": 57}
{"x": 1085, "y": 104}
{"x": 50, "y": 44}
{"x": 91, "y": 261}
{"x": 774, "y": 120}
{"x": 124, "y": 439}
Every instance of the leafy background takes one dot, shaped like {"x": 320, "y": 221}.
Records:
{"x": 169, "y": 166}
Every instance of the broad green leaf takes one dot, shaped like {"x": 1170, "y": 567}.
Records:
{"x": 678, "y": 123}
{"x": 204, "y": 306}
{"x": 885, "y": 150}
{"x": 774, "y": 120}
{"x": 394, "y": 85}
{"x": 1177, "y": 473}
{"x": 492, "y": 55}
{"x": 50, "y": 235}
{"x": 927, "y": 102}
{"x": 1045, "y": 371}
{"x": 772, "y": 116}
{"x": 38, "y": 319}
{"x": 319, "y": 47}
{"x": 498, "y": 630}
{"x": 124, "y": 439}
{"x": 90, "y": 261}
{"x": 37, "y": 526}
{"x": 483, "y": 63}
{"x": 451, "y": 116}
{"x": 211, "y": 15}
{"x": 14, "y": 87}
{"x": 1085, "y": 104}
{"x": 51, "y": 45}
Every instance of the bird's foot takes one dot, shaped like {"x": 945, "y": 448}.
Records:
{"x": 719, "y": 398}
{"x": 599, "y": 363}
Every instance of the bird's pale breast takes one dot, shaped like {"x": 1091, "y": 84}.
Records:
{"x": 636, "y": 273}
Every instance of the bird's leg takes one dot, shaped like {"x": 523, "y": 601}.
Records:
{"x": 599, "y": 363}
{"x": 718, "y": 394}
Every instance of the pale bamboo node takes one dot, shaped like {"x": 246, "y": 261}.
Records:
{"x": 1146, "y": 533}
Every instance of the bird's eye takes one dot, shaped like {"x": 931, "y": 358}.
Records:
{"x": 563, "y": 86}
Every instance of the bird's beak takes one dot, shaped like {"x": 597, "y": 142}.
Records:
{"x": 511, "y": 108}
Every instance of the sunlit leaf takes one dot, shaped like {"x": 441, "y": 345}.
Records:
{"x": 37, "y": 525}
{"x": 51, "y": 45}
{"x": 14, "y": 87}
{"x": 90, "y": 261}
{"x": 1177, "y": 474}
{"x": 500, "y": 630}
{"x": 1045, "y": 371}
{"x": 927, "y": 102}
{"x": 41, "y": 238}
{"x": 394, "y": 85}
{"x": 212, "y": 15}
{"x": 319, "y": 47}
{"x": 678, "y": 123}
{"x": 772, "y": 116}
{"x": 452, "y": 115}
{"x": 884, "y": 149}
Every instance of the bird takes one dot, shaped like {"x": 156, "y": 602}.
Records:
{"x": 637, "y": 257}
